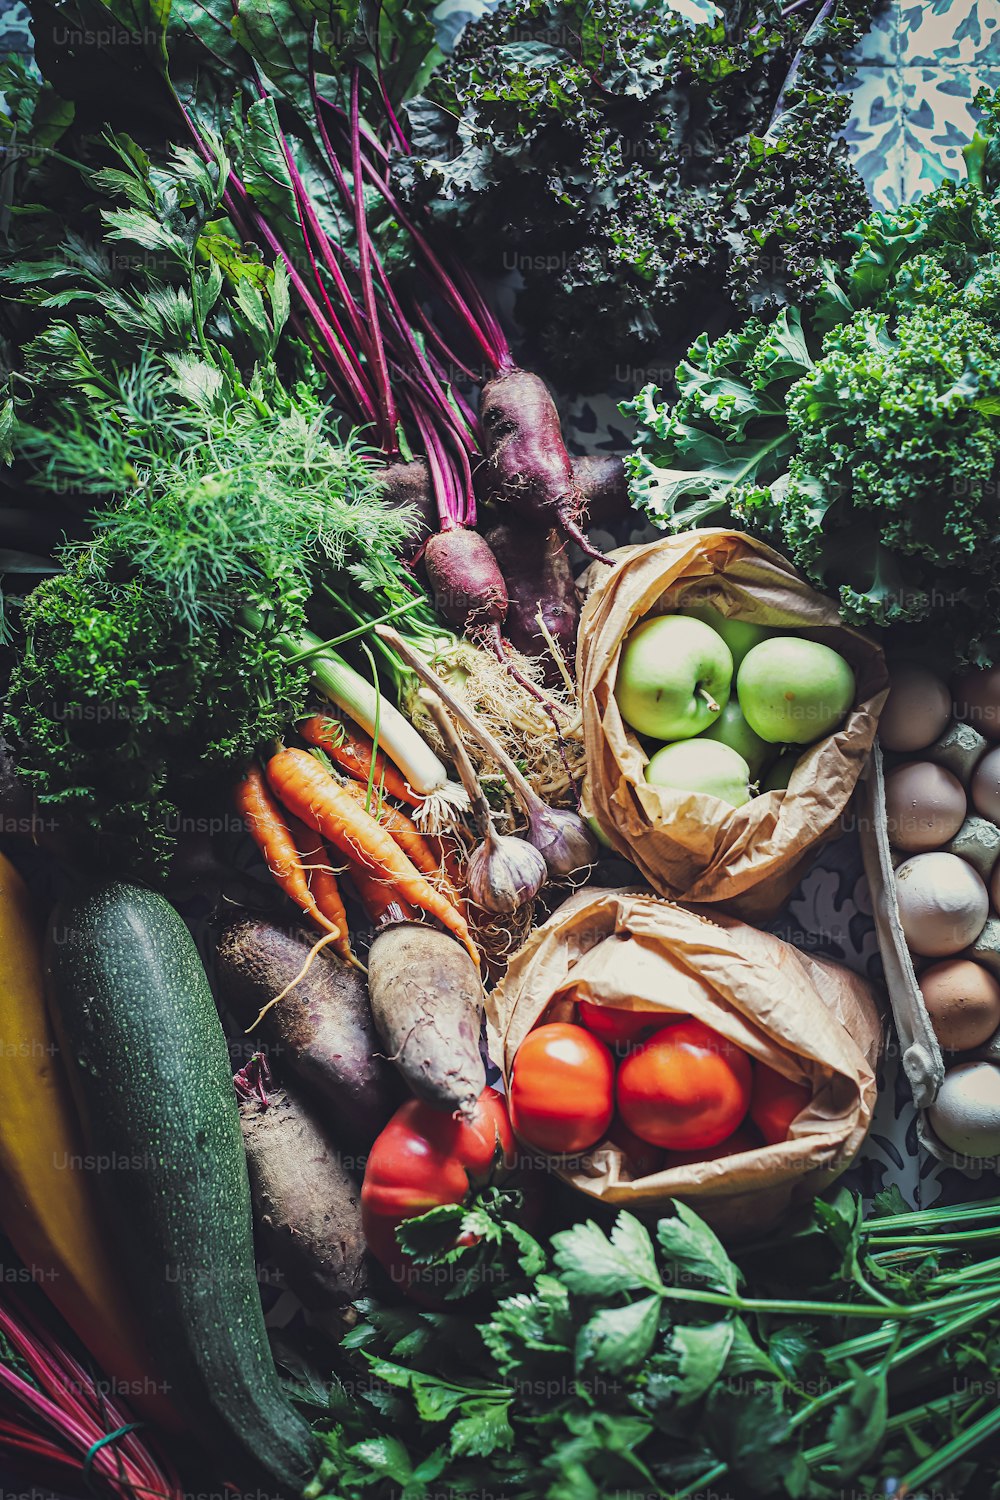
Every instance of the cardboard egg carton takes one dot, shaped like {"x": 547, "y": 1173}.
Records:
{"x": 922, "y": 1058}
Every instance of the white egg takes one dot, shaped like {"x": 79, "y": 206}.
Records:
{"x": 943, "y": 903}
{"x": 966, "y": 1113}
{"x": 916, "y": 711}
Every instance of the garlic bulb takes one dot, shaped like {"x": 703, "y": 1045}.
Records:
{"x": 504, "y": 873}
{"x": 562, "y": 838}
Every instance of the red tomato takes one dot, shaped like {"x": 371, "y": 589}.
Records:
{"x": 562, "y": 1089}
{"x": 423, "y": 1158}
{"x": 641, "y": 1159}
{"x": 686, "y": 1088}
{"x": 618, "y": 1028}
{"x": 743, "y": 1139}
{"x": 775, "y": 1101}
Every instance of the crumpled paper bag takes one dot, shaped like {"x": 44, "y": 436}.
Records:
{"x": 692, "y": 847}
{"x": 809, "y": 1019}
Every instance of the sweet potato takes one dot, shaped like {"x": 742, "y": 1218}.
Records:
{"x": 427, "y": 1003}
{"x": 321, "y": 1033}
{"x": 535, "y": 566}
{"x": 306, "y": 1205}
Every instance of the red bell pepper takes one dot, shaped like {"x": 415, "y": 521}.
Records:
{"x": 423, "y": 1159}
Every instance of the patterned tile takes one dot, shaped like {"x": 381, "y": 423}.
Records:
{"x": 880, "y": 43}
{"x": 874, "y": 132}
{"x": 938, "y": 120}
{"x": 950, "y": 33}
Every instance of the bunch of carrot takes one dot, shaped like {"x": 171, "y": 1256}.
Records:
{"x": 295, "y": 809}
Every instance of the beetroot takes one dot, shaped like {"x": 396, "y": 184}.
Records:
{"x": 410, "y": 484}
{"x": 466, "y": 581}
{"x": 535, "y": 565}
{"x": 529, "y": 467}
{"x": 603, "y": 484}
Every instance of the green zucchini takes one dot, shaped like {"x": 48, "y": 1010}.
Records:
{"x": 151, "y": 1075}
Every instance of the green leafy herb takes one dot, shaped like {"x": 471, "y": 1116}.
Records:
{"x": 613, "y": 1369}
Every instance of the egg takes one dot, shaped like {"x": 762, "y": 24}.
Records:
{"x": 977, "y": 701}
{"x": 943, "y": 904}
{"x": 925, "y": 806}
{"x": 986, "y": 786}
{"x": 916, "y": 711}
{"x": 963, "y": 1002}
{"x": 966, "y": 1113}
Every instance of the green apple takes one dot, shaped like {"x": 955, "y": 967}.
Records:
{"x": 732, "y": 729}
{"x": 780, "y": 774}
{"x": 702, "y": 766}
{"x": 591, "y": 821}
{"x": 739, "y": 635}
{"x": 794, "y": 691}
{"x": 674, "y": 677}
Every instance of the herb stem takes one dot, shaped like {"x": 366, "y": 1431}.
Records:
{"x": 957, "y": 1448}
{"x": 989, "y": 1209}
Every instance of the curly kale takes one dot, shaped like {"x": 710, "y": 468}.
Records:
{"x": 644, "y": 176}
{"x": 860, "y": 435}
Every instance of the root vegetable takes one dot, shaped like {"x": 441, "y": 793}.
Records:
{"x": 468, "y": 586}
{"x": 306, "y": 1205}
{"x": 535, "y": 565}
{"x": 529, "y": 467}
{"x": 409, "y": 485}
{"x": 603, "y": 484}
{"x": 427, "y": 1004}
{"x": 322, "y": 1031}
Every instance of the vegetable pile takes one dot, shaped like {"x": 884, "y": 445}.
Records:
{"x": 858, "y": 431}
{"x": 296, "y": 647}
{"x": 642, "y": 175}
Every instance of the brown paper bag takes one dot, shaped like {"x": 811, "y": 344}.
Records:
{"x": 692, "y": 847}
{"x": 810, "y": 1020}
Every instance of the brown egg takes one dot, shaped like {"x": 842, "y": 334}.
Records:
{"x": 963, "y": 1002}
{"x": 917, "y": 710}
{"x": 977, "y": 701}
{"x": 925, "y": 806}
{"x": 985, "y": 788}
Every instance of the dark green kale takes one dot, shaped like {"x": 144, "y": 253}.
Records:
{"x": 860, "y": 434}
{"x": 645, "y": 177}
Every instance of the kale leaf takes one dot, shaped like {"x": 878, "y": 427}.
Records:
{"x": 860, "y": 433}
{"x": 643, "y": 176}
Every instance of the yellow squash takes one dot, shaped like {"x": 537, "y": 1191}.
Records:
{"x": 47, "y": 1200}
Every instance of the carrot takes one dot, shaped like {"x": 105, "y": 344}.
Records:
{"x": 403, "y": 829}
{"x": 302, "y": 785}
{"x": 318, "y": 866}
{"x": 351, "y": 749}
{"x": 269, "y": 831}
{"x": 381, "y": 904}
{"x": 425, "y": 851}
